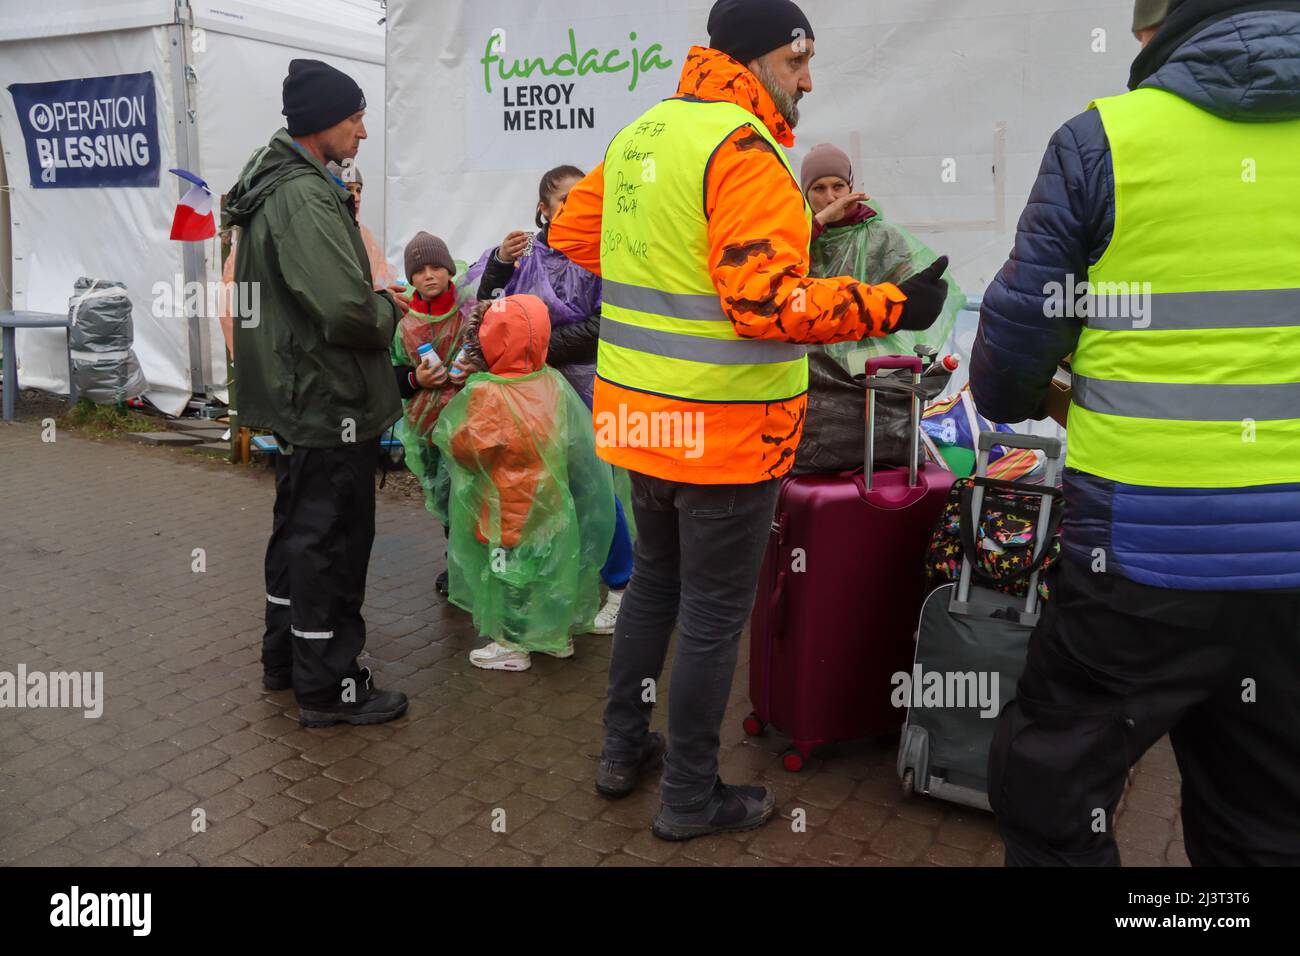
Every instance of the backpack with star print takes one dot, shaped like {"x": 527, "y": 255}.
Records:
{"x": 1002, "y": 542}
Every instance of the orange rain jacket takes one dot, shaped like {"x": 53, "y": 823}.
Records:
{"x": 759, "y": 240}
{"x": 506, "y": 424}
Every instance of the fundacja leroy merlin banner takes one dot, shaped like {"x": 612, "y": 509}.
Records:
{"x": 542, "y": 83}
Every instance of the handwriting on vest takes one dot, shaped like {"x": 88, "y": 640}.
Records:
{"x": 625, "y": 194}
{"x": 636, "y": 152}
{"x": 611, "y": 240}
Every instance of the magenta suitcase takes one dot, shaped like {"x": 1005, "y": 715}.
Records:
{"x": 840, "y": 593}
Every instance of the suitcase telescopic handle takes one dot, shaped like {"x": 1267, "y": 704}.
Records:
{"x": 1050, "y": 446}
{"x": 874, "y": 365}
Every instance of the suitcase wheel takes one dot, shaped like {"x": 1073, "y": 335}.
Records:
{"x": 909, "y": 781}
{"x": 753, "y": 726}
{"x": 792, "y": 760}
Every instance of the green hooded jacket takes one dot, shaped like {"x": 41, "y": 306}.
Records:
{"x": 314, "y": 364}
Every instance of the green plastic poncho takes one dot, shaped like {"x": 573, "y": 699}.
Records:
{"x": 420, "y": 413}
{"x": 531, "y": 521}
{"x": 878, "y": 251}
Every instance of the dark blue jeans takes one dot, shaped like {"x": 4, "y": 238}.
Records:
{"x": 698, "y": 553}
{"x": 618, "y": 566}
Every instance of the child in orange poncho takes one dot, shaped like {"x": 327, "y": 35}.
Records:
{"x": 530, "y": 516}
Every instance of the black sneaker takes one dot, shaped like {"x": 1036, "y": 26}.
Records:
{"x": 378, "y": 707}
{"x": 441, "y": 584}
{"x": 729, "y": 810}
{"x": 277, "y": 680}
{"x": 619, "y": 779}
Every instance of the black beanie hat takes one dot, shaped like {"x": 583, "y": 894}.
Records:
{"x": 316, "y": 96}
{"x": 747, "y": 29}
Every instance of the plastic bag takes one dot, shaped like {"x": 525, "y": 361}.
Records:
{"x": 104, "y": 365}
{"x": 878, "y": 251}
{"x": 570, "y": 293}
{"x": 420, "y": 412}
{"x": 834, "y": 431}
{"x": 530, "y": 506}
{"x": 949, "y": 429}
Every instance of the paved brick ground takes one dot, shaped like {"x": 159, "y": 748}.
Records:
{"x": 95, "y": 574}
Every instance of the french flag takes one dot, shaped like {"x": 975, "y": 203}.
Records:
{"x": 193, "y": 220}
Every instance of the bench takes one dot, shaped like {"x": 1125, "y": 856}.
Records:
{"x": 10, "y": 321}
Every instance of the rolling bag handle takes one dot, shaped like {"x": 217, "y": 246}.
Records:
{"x": 869, "y": 457}
{"x": 1051, "y": 447}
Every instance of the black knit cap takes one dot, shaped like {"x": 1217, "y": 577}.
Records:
{"x": 316, "y": 96}
{"x": 748, "y": 29}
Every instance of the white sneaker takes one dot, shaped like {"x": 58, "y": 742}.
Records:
{"x": 494, "y": 657}
{"x": 608, "y": 615}
{"x": 562, "y": 655}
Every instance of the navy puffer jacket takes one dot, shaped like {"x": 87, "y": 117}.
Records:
{"x": 1244, "y": 68}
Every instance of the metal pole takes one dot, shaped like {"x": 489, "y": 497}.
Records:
{"x": 869, "y": 464}
{"x": 916, "y": 431}
{"x": 194, "y": 267}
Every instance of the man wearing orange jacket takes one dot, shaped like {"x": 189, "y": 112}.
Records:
{"x": 700, "y": 232}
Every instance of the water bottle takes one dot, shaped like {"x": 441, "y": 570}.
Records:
{"x": 429, "y": 357}
{"x": 456, "y": 373}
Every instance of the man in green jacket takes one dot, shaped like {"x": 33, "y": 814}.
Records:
{"x": 313, "y": 366}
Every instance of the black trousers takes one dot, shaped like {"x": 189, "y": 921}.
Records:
{"x": 1113, "y": 666}
{"x": 698, "y": 551}
{"x": 316, "y": 562}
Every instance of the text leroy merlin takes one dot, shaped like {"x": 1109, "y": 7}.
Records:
{"x": 549, "y": 106}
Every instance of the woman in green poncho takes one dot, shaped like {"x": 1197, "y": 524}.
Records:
{"x": 851, "y": 238}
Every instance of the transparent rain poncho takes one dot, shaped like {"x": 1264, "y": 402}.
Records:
{"x": 531, "y": 521}
{"x": 878, "y": 251}
{"x": 570, "y": 292}
{"x": 420, "y": 412}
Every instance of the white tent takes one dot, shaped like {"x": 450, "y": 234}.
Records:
{"x": 210, "y": 95}
{"x": 945, "y": 106}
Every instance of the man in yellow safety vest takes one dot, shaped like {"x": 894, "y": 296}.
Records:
{"x": 701, "y": 234}
{"x": 1161, "y": 247}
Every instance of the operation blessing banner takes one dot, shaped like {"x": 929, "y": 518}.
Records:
{"x": 95, "y": 132}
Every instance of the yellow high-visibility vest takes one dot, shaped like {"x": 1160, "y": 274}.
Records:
{"x": 1187, "y": 372}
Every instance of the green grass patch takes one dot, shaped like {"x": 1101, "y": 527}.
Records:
{"x": 105, "y": 420}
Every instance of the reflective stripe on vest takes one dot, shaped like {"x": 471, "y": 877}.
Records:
{"x": 1182, "y": 311}
{"x": 1187, "y": 371}
{"x": 663, "y": 329}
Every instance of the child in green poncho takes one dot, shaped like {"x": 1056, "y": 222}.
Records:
{"x": 438, "y": 300}
{"x": 851, "y": 238}
{"x": 530, "y": 518}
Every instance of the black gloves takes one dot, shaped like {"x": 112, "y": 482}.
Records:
{"x": 926, "y": 292}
